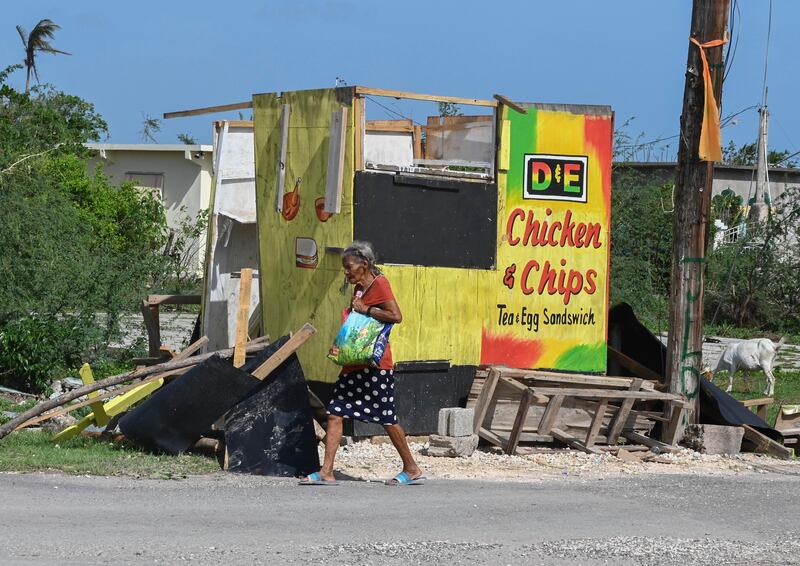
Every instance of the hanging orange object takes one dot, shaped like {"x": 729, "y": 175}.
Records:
{"x": 710, "y": 137}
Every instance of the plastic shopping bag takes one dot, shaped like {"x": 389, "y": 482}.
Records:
{"x": 361, "y": 341}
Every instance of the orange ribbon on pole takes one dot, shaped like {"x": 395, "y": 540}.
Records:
{"x": 710, "y": 137}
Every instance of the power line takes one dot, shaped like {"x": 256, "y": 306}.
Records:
{"x": 390, "y": 111}
{"x": 733, "y": 44}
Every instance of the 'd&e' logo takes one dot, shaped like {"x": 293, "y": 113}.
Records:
{"x": 554, "y": 177}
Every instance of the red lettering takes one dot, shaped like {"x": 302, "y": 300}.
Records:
{"x": 574, "y": 284}
{"x": 531, "y": 230}
{"x": 508, "y": 279}
{"x": 548, "y": 280}
{"x": 551, "y": 240}
{"x": 591, "y": 285}
{"x": 516, "y": 213}
{"x": 566, "y": 234}
{"x": 580, "y": 234}
{"x": 523, "y": 281}
{"x": 593, "y": 234}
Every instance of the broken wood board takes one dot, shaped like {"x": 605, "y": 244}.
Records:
{"x": 754, "y": 441}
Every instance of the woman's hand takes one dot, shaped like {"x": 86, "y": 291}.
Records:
{"x": 334, "y": 351}
{"x": 359, "y": 306}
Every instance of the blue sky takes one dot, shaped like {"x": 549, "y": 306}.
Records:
{"x": 133, "y": 59}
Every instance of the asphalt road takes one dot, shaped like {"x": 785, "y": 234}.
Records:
{"x": 752, "y": 518}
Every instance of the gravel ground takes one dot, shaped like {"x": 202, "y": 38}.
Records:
{"x": 376, "y": 462}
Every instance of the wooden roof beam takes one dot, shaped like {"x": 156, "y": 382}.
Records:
{"x": 363, "y": 90}
{"x": 209, "y": 110}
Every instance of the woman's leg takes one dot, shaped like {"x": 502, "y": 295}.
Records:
{"x": 333, "y": 437}
{"x": 398, "y": 438}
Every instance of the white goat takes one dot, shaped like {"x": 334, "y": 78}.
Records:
{"x": 750, "y": 355}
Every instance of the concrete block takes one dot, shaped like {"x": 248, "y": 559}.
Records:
{"x": 452, "y": 446}
{"x": 461, "y": 422}
{"x": 444, "y": 421}
{"x": 714, "y": 439}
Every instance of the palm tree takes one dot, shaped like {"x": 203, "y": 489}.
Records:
{"x": 37, "y": 40}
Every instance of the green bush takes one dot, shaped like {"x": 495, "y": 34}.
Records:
{"x": 75, "y": 251}
{"x": 641, "y": 245}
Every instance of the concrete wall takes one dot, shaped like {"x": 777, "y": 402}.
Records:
{"x": 734, "y": 177}
{"x": 186, "y": 170}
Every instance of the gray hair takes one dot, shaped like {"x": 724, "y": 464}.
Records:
{"x": 362, "y": 251}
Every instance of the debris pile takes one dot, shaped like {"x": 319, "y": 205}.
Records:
{"x": 178, "y": 402}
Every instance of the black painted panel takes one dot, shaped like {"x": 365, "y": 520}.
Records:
{"x": 418, "y": 397}
{"x": 430, "y": 222}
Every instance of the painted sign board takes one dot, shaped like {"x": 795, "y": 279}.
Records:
{"x": 553, "y": 242}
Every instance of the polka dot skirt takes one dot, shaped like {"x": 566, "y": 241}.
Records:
{"x": 365, "y": 394}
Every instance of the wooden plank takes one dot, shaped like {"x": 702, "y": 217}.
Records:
{"x": 283, "y": 353}
{"x": 405, "y": 126}
{"x": 150, "y": 317}
{"x": 765, "y": 445}
{"x": 513, "y": 105}
{"x": 280, "y": 173}
{"x": 453, "y": 120}
{"x": 555, "y": 377}
{"x": 762, "y": 406}
{"x": 671, "y": 431}
{"x": 504, "y": 154}
{"x": 633, "y": 366}
{"x": 594, "y": 429}
{"x": 234, "y": 124}
{"x": 334, "y": 175}
{"x": 242, "y": 317}
{"x": 605, "y": 393}
{"x": 622, "y": 415}
{"x": 519, "y": 422}
{"x": 359, "y": 127}
{"x": 153, "y": 300}
{"x": 209, "y": 110}
{"x": 482, "y": 404}
{"x": 495, "y": 439}
{"x": 637, "y": 438}
{"x": 100, "y": 416}
{"x": 417, "y": 142}
{"x": 549, "y": 416}
{"x": 417, "y": 96}
{"x": 572, "y": 442}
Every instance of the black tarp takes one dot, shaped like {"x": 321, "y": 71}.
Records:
{"x": 271, "y": 432}
{"x": 176, "y": 416}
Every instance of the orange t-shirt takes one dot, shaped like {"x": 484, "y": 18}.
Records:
{"x": 378, "y": 293}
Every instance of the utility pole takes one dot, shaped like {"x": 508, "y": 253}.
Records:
{"x": 759, "y": 209}
{"x": 693, "y": 182}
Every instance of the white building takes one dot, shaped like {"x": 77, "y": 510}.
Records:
{"x": 180, "y": 175}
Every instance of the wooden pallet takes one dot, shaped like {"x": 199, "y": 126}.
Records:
{"x": 581, "y": 411}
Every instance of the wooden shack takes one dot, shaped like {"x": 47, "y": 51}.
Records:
{"x": 492, "y": 228}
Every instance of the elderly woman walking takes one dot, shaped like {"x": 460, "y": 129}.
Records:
{"x": 362, "y": 392}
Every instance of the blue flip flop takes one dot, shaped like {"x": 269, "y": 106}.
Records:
{"x": 316, "y": 479}
{"x": 403, "y": 479}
